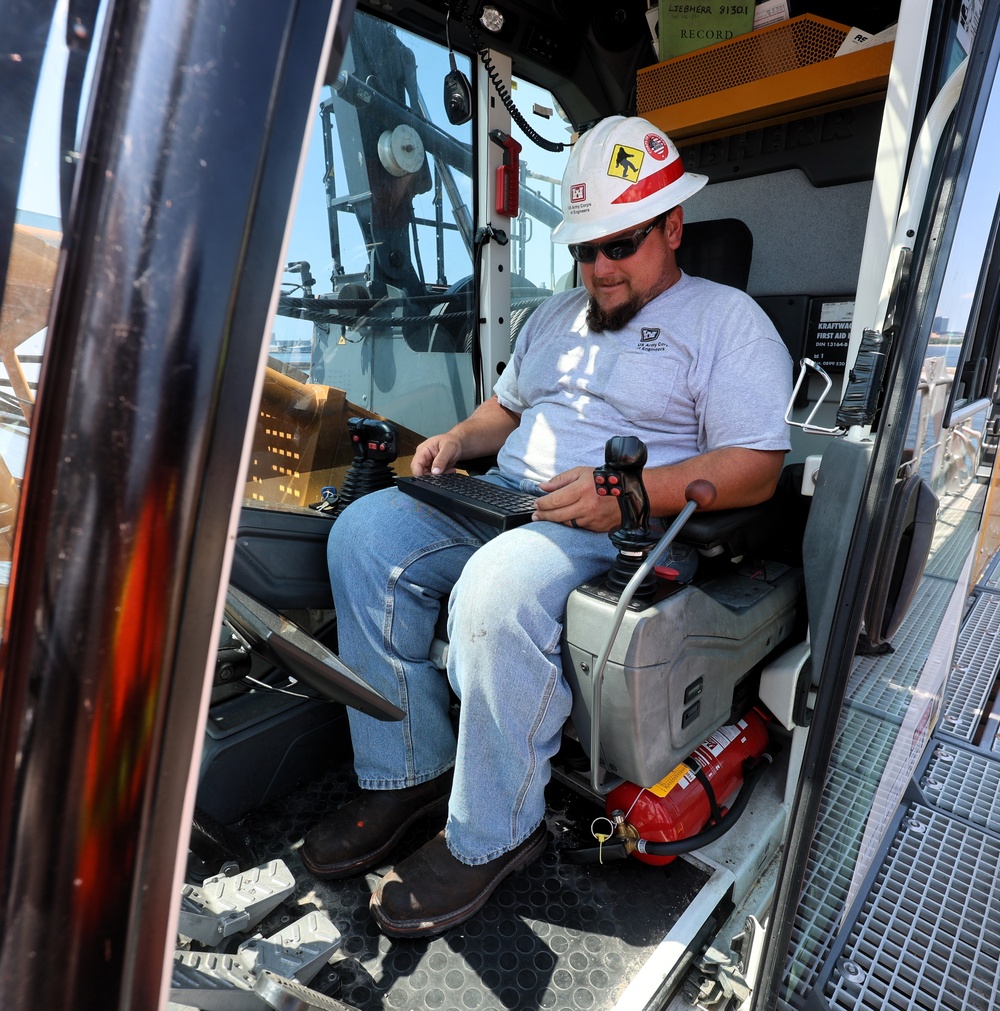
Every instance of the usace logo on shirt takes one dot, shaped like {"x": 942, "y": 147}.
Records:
{"x": 649, "y": 339}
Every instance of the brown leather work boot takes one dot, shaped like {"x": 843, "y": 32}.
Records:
{"x": 431, "y": 891}
{"x": 359, "y": 834}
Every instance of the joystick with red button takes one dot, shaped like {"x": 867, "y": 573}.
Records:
{"x": 376, "y": 445}
{"x": 621, "y": 478}
{"x": 373, "y": 440}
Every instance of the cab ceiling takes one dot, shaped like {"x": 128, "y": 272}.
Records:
{"x": 552, "y": 43}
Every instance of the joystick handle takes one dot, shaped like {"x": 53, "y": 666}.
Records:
{"x": 373, "y": 440}
{"x": 621, "y": 478}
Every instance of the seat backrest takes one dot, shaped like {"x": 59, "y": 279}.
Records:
{"x": 719, "y": 250}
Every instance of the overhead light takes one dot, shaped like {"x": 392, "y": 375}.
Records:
{"x": 491, "y": 18}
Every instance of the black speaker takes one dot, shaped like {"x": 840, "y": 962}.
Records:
{"x": 620, "y": 24}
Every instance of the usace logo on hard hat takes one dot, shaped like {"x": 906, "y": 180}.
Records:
{"x": 577, "y": 193}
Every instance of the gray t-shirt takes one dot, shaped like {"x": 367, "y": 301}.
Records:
{"x": 700, "y": 367}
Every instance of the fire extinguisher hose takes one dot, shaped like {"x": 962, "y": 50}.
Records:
{"x": 619, "y": 850}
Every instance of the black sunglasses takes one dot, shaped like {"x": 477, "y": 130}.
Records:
{"x": 614, "y": 249}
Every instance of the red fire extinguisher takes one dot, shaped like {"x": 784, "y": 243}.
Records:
{"x": 695, "y": 794}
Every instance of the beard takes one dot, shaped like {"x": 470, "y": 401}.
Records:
{"x": 599, "y": 320}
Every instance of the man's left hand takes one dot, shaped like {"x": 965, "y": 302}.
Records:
{"x": 571, "y": 498}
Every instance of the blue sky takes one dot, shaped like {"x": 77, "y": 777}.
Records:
{"x": 39, "y": 191}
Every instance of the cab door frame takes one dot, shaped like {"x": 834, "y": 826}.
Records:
{"x": 932, "y": 242}
{"x": 165, "y": 290}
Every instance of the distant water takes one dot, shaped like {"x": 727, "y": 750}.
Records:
{"x": 949, "y": 352}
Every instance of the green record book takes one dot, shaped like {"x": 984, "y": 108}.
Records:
{"x": 687, "y": 26}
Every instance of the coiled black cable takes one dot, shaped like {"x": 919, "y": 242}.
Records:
{"x": 483, "y": 51}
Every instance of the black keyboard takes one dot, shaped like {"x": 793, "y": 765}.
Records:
{"x": 472, "y": 497}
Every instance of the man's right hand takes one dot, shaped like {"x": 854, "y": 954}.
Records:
{"x": 436, "y": 455}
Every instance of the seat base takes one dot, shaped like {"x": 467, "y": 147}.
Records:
{"x": 674, "y": 672}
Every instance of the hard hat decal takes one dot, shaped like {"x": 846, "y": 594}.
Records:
{"x": 652, "y": 183}
{"x": 625, "y": 163}
{"x": 577, "y": 193}
{"x": 656, "y": 147}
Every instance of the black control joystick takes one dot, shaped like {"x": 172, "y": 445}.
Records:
{"x": 621, "y": 478}
{"x": 376, "y": 445}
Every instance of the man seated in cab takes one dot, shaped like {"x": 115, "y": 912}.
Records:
{"x": 694, "y": 369}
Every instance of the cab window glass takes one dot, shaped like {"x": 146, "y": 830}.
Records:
{"x": 968, "y": 309}
{"x": 538, "y": 263}
{"x": 376, "y": 300}
{"x": 960, "y": 367}
{"x": 31, "y": 272}
{"x": 897, "y": 697}
{"x": 375, "y": 317}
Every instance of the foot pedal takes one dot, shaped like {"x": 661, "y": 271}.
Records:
{"x": 297, "y": 951}
{"x": 211, "y": 982}
{"x": 206, "y": 981}
{"x": 287, "y": 995}
{"x": 223, "y": 906}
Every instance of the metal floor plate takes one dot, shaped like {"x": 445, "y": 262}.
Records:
{"x": 879, "y": 691}
{"x": 864, "y": 741}
{"x": 925, "y": 932}
{"x": 956, "y": 531}
{"x": 929, "y": 933}
{"x": 964, "y": 784}
{"x": 555, "y": 936}
{"x": 846, "y": 803}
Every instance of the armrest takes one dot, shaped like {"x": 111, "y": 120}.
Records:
{"x": 730, "y": 530}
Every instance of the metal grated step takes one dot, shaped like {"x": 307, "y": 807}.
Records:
{"x": 974, "y": 668}
{"x": 991, "y": 580}
{"x": 929, "y": 933}
{"x": 885, "y": 683}
{"x": 964, "y": 784}
{"x": 864, "y": 741}
{"x": 847, "y": 801}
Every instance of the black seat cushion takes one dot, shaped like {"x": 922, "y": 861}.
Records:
{"x": 719, "y": 250}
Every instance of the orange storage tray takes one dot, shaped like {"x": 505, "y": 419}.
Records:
{"x": 763, "y": 77}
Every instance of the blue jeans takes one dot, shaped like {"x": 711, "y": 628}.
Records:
{"x": 392, "y": 560}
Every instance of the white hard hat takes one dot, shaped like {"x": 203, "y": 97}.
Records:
{"x": 621, "y": 172}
